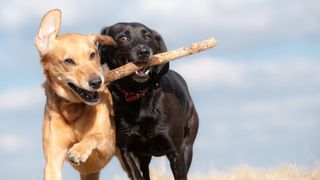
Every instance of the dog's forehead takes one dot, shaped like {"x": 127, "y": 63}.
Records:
{"x": 75, "y": 41}
{"x": 73, "y": 45}
{"x": 130, "y": 27}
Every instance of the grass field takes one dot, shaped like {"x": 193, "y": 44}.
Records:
{"x": 288, "y": 172}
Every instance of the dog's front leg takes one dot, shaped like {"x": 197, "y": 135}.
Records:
{"x": 54, "y": 164}
{"x": 57, "y": 137}
{"x": 178, "y": 165}
{"x": 81, "y": 151}
{"x": 131, "y": 164}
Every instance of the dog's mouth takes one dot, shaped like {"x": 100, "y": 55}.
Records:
{"x": 89, "y": 97}
{"x": 142, "y": 75}
{"x": 139, "y": 76}
{"x": 143, "y": 72}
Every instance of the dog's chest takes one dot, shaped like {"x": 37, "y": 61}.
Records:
{"x": 145, "y": 136}
{"x": 71, "y": 111}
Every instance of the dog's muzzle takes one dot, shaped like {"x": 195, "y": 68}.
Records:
{"x": 141, "y": 53}
{"x": 89, "y": 97}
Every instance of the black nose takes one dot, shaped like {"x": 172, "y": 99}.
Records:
{"x": 142, "y": 53}
{"x": 95, "y": 82}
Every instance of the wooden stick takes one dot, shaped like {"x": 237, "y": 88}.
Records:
{"x": 160, "y": 58}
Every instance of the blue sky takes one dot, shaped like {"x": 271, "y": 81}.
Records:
{"x": 257, "y": 92}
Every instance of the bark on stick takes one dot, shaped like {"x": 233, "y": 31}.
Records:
{"x": 160, "y": 58}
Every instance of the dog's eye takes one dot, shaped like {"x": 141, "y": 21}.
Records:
{"x": 92, "y": 55}
{"x": 69, "y": 61}
{"x": 147, "y": 38}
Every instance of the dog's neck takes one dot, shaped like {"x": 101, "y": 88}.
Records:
{"x": 132, "y": 96}
{"x": 71, "y": 111}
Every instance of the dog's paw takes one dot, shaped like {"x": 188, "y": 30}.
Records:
{"x": 78, "y": 154}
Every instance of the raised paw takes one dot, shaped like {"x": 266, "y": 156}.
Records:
{"x": 78, "y": 154}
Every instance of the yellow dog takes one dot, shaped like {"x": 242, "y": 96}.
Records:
{"x": 78, "y": 123}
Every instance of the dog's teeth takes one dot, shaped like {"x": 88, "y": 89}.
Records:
{"x": 142, "y": 72}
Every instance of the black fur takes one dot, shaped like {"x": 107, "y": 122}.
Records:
{"x": 164, "y": 121}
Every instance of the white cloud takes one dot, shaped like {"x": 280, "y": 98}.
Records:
{"x": 230, "y": 16}
{"x": 21, "y": 98}
{"x": 240, "y": 18}
{"x": 208, "y": 73}
{"x": 11, "y": 142}
{"x": 284, "y": 104}
{"x": 237, "y": 24}
{"x": 286, "y": 112}
{"x": 257, "y": 97}
{"x": 16, "y": 13}
{"x": 257, "y": 119}
{"x": 205, "y": 72}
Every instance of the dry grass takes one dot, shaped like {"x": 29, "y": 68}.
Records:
{"x": 288, "y": 172}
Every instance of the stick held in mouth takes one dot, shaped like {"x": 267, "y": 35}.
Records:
{"x": 160, "y": 58}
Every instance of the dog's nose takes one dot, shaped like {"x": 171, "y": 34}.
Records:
{"x": 95, "y": 82}
{"x": 142, "y": 53}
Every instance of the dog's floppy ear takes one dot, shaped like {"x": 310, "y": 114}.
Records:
{"x": 105, "y": 30}
{"x": 161, "y": 47}
{"x": 49, "y": 29}
{"x": 103, "y": 39}
{"x": 106, "y": 51}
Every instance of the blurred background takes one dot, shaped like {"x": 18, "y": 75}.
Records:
{"x": 257, "y": 92}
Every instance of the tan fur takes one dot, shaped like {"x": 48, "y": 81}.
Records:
{"x": 73, "y": 128}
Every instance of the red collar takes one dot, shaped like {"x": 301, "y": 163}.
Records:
{"x": 132, "y": 96}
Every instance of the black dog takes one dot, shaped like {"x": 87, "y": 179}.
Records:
{"x": 154, "y": 112}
